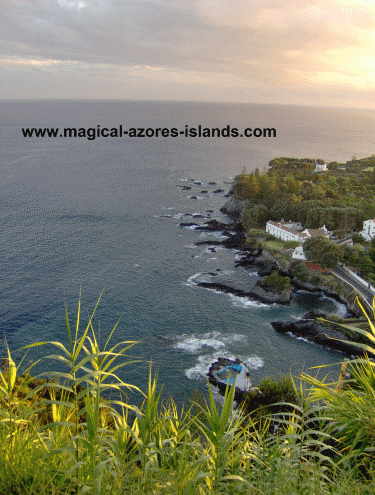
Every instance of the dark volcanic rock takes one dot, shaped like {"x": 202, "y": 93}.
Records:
{"x": 235, "y": 241}
{"x": 272, "y": 297}
{"x": 234, "y": 207}
{"x": 214, "y": 225}
{"x": 319, "y": 334}
{"x": 211, "y": 243}
{"x": 187, "y": 224}
{"x": 240, "y": 288}
{"x": 264, "y": 267}
{"x": 315, "y": 313}
{"x": 218, "y": 190}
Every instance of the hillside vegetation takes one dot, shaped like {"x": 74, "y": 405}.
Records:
{"x": 340, "y": 198}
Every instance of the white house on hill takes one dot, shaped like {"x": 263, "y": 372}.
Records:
{"x": 368, "y": 231}
{"x": 285, "y": 233}
{"x": 320, "y": 167}
{"x": 280, "y": 230}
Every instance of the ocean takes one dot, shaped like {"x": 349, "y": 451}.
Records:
{"x": 103, "y": 214}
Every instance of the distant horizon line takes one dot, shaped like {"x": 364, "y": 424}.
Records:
{"x": 185, "y": 102}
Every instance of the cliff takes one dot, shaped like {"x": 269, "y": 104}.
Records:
{"x": 234, "y": 207}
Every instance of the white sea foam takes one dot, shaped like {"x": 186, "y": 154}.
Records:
{"x": 168, "y": 208}
{"x": 195, "y": 344}
{"x": 340, "y": 307}
{"x": 218, "y": 235}
{"x": 192, "y": 246}
{"x": 244, "y": 302}
{"x": 203, "y": 363}
{"x": 296, "y": 317}
{"x": 190, "y": 282}
{"x": 298, "y": 337}
{"x": 215, "y": 340}
{"x": 178, "y": 215}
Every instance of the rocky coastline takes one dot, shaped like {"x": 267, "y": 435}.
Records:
{"x": 252, "y": 259}
{"x": 257, "y": 260}
{"x": 237, "y": 288}
{"x": 313, "y": 330}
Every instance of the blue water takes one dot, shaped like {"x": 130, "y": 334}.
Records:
{"x": 104, "y": 214}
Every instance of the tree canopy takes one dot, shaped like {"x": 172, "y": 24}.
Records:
{"x": 325, "y": 253}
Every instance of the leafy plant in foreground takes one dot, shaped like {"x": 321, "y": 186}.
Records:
{"x": 88, "y": 373}
{"x": 224, "y": 433}
{"x": 350, "y": 404}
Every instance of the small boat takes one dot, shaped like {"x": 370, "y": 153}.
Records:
{"x": 235, "y": 373}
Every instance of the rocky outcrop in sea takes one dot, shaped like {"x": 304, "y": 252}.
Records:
{"x": 317, "y": 332}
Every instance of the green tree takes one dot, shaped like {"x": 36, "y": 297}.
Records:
{"x": 322, "y": 251}
{"x": 366, "y": 265}
{"x": 276, "y": 282}
{"x": 333, "y": 166}
{"x": 254, "y": 216}
{"x": 242, "y": 186}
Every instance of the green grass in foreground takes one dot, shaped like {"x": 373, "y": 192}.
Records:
{"x": 321, "y": 444}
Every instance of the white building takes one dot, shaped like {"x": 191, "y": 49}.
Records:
{"x": 320, "y": 167}
{"x": 368, "y": 231}
{"x": 285, "y": 233}
{"x": 282, "y": 231}
{"x": 299, "y": 254}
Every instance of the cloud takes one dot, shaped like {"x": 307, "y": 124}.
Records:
{"x": 258, "y": 44}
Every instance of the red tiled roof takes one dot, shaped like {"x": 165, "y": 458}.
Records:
{"x": 316, "y": 232}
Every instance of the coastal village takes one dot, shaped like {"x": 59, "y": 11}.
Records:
{"x": 325, "y": 246}
{"x": 307, "y": 190}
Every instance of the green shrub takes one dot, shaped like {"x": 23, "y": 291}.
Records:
{"x": 271, "y": 390}
{"x": 316, "y": 280}
{"x": 276, "y": 282}
{"x": 300, "y": 272}
{"x": 291, "y": 244}
{"x": 270, "y": 237}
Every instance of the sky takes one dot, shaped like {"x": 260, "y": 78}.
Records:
{"x": 299, "y": 52}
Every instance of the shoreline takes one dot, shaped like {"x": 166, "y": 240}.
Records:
{"x": 263, "y": 263}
